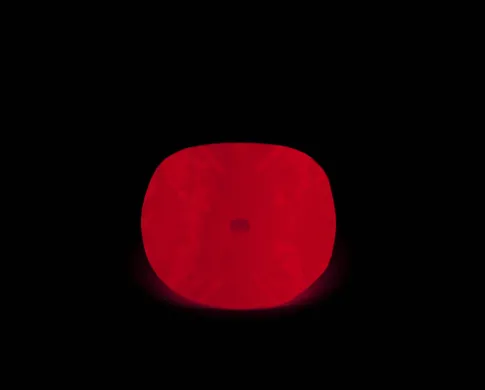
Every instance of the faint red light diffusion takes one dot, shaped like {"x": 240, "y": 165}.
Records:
{"x": 239, "y": 225}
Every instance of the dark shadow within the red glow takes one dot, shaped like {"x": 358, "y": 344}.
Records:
{"x": 238, "y": 226}
{"x": 328, "y": 283}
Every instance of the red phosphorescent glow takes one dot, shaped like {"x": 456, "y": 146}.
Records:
{"x": 238, "y": 225}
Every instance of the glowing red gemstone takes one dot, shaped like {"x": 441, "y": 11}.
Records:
{"x": 239, "y": 225}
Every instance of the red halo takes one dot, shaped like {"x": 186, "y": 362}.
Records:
{"x": 238, "y": 225}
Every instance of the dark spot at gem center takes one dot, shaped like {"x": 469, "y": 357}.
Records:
{"x": 240, "y": 225}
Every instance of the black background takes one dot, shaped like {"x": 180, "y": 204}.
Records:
{"x": 364, "y": 108}
{"x": 348, "y": 118}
